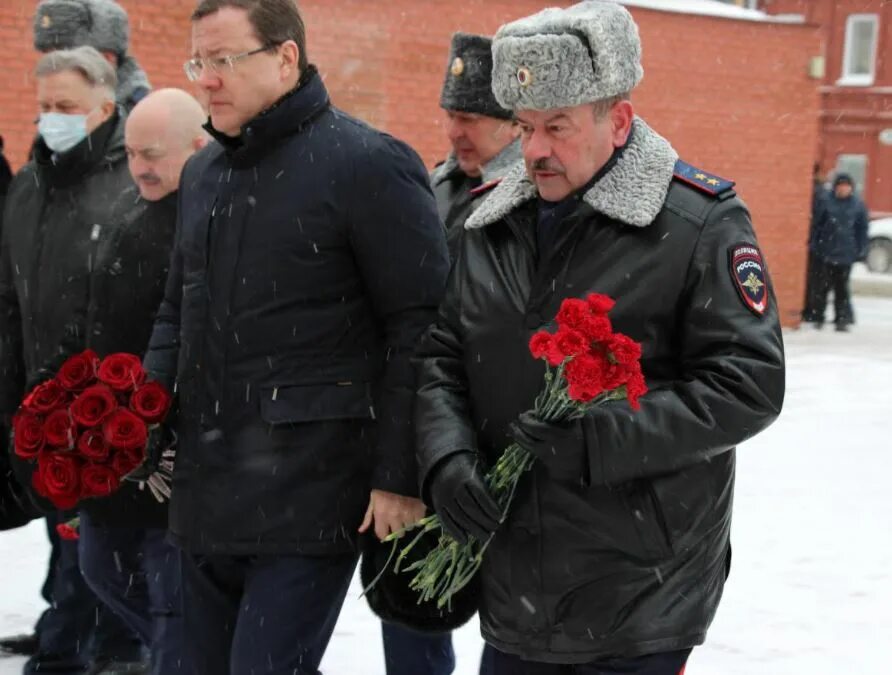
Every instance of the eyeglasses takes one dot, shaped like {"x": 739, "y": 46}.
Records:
{"x": 195, "y": 67}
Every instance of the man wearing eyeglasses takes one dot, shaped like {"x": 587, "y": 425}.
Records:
{"x": 309, "y": 258}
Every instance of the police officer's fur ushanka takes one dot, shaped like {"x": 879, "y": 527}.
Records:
{"x": 468, "y": 84}
{"x": 559, "y": 58}
{"x": 63, "y": 24}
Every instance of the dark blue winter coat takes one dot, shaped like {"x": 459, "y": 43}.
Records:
{"x": 309, "y": 258}
{"x": 839, "y": 230}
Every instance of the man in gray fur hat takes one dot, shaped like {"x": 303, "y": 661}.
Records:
{"x": 101, "y": 24}
{"x": 482, "y": 133}
{"x": 616, "y": 548}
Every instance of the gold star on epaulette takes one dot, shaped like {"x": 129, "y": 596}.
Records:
{"x": 700, "y": 176}
{"x": 713, "y": 181}
{"x": 753, "y": 283}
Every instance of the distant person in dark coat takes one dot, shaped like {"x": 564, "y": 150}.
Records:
{"x": 837, "y": 240}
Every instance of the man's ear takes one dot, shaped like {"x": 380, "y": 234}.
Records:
{"x": 621, "y": 117}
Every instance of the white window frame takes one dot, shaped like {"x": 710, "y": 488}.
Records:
{"x": 844, "y": 164}
{"x": 859, "y": 79}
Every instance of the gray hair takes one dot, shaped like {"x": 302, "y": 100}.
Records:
{"x": 85, "y": 61}
{"x": 603, "y": 107}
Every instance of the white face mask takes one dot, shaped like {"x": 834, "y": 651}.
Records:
{"x": 62, "y": 132}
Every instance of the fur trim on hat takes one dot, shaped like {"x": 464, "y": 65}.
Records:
{"x": 559, "y": 58}
{"x": 633, "y": 191}
{"x": 468, "y": 84}
{"x": 63, "y": 24}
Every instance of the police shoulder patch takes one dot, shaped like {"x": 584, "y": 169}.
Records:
{"x": 486, "y": 187}
{"x": 703, "y": 181}
{"x": 748, "y": 276}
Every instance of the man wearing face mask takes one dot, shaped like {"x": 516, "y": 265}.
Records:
{"x": 69, "y": 262}
{"x": 482, "y": 134}
{"x": 124, "y": 553}
{"x": 101, "y": 24}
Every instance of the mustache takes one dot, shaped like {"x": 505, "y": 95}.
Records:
{"x": 148, "y": 178}
{"x": 545, "y": 164}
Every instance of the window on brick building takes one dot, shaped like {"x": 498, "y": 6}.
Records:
{"x": 859, "y": 57}
{"x": 856, "y": 167}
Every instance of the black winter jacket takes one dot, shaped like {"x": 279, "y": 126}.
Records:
{"x": 82, "y": 265}
{"x": 630, "y": 558}
{"x": 309, "y": 259}
{"x": 839, "y": 229}
{"x": 458, "y": 194}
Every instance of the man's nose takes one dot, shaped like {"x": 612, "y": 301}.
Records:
{"x": 536, "y": 146}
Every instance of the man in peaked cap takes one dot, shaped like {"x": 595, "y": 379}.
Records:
{"x": 482, "y": 133}
{"x": 101, "y": 24}
{"x": 615, "y": 551}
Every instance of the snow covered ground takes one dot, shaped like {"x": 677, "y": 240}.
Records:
{"x": 811, "y": 587}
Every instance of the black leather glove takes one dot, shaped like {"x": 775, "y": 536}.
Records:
{"x": 160, "y": 439}
{"x": 461, "y": 499}
{"x": 559, "y": 446}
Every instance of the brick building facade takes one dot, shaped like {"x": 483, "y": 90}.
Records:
{"x": 856, "y": 92}
{"x": 733, "y": 96}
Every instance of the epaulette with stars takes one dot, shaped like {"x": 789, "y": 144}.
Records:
{"x": 711, "y": 184}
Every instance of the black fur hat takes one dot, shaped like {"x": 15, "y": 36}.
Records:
{"x": 468, "y": 84}
{"x": 393, "y": 601}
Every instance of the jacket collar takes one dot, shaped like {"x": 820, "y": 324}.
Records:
{"x": 131, "y": 79}
{"x": 494, "y": 169}
{"x": 632, "y": 191}
{"x": 284, "y": 118}
{"x": 104, "y": 146}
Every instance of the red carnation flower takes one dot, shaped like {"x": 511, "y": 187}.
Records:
{"x": 93, "y": 405}
{"x": 98, "y": 480}
{"x": 122, "y": 372}
{"x": 584, "y": 376}
{"x": 151, "y": 402}
{"x": 124, "y": 462}
{"x": 597, "y": 328}
{"x": 59, "y": 479}
{"x": 79, "y": 371}
{"x": 59, "y": 430}
{"x": 92, "y": 445}
{"x": 571, "y": 342}
{"x": 125, "y": 431}
{"x": 540, "y": 344}
{"x": 28, "y": 435}
{"x": 624, "y": 349}
{"x": 67, "y": 532}
{"x": 600, "y": 304}
{"x": 573, "y": 313}
{"x": 636, "y": 387}
{"x": 45, "y": 398}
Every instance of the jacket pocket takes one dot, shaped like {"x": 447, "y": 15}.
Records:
{"x": 294, "y": 404}
{"x": 650, "y": 521}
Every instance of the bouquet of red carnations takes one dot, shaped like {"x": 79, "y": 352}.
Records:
{"x": 587, "y": 365}
{"x": 87, "y": 428}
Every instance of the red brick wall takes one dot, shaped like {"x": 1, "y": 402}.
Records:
{"x": 732, "y": 96}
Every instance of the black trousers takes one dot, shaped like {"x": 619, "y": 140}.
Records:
{"x": 668, "y": 663}
{"x": 261, "y": 615}
{"x": 822, "y": 278}
{"x": 77, "y": 629}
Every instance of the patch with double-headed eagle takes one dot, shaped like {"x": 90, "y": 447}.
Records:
{"x": 748, "y": 274}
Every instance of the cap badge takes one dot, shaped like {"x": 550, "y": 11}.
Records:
{"x": 46, "y": 21}
{"x": 524, "y": 76}
{"x": 458, "y": 66}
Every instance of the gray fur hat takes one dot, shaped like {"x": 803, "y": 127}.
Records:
{"x": 559, "y": 58}
{"x": 468, "y": 84}
{"x": 63, "y": 24}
